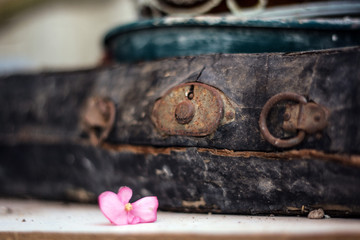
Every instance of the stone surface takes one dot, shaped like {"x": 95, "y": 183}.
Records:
{"x": 316, "y": 214}
{"x": 44, "y": 218}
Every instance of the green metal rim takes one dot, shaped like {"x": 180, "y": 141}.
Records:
{"x": 231, "y": 21}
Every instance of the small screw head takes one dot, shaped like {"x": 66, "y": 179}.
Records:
{"x": 184, "y": 112}
{"x": 287, "y": 116}
{"x": 317, "y": 117}
{"x": 230, "y": 116}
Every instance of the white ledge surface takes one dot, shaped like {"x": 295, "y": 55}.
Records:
{"x": 21, "y": 216}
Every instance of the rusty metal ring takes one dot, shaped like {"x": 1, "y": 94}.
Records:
{"x": 278, "y": 142}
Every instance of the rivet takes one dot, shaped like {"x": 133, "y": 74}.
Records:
{"x": 184, "y": 112}
{"x": 317, "y": 117}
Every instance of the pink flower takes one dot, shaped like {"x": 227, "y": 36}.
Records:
{"x": 119, "y": 211}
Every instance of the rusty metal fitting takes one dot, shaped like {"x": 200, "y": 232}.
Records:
{"x": 310, "y": 117}
{"x": 184, "y": 112}
{"x": 192, "y": 109}
{"x": 278, "y": 142}
{"x": 98, "y": 119}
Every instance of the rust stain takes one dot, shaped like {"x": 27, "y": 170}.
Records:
{"x": 353, "y": 160}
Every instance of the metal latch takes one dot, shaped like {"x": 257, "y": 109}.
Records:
{"x": 304, "y": 118}
{"x": 192, "y": 109}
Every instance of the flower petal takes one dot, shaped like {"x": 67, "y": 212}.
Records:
{"x": 113, "y": 209}
{"x": 145, "y": 208}
{"x": 125, "y": 194}
{"x": 133, "y": 219}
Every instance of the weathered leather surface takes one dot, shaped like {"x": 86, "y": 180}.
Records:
{"x": 44, "y": 152}
{"x": 183, "y": 179}
{"x": 50, "y": 105}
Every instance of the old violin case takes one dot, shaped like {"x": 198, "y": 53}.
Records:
{"x": 209, "y": 115}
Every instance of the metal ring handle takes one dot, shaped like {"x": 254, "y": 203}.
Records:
{"x": 278, "y": 142}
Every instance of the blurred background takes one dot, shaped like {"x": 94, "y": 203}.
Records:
{"x": 42, "y": 35}
{"x": 48, "y": 35}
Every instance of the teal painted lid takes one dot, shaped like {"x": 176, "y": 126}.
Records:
{"x": 176, "y": 36}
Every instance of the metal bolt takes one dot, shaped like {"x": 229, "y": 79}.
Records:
{"x": 229, "y": 116}
{"x": 287, "y": 116}
{"x": 184, "y": 112}
{"x": 317, "y": 117}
